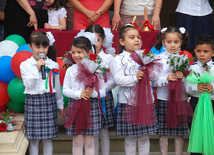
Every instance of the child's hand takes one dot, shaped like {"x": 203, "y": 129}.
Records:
{"x": 61, "y": 113}
{"x": 84, "y": 95}
{"x": 172, "y": 77}
{"x": 179, "y": 74}
{"x": 40, "y": 63}
{"x": 89, "y": 91}
{"x": 202, "y": 87}
{"x": 47, "y": 26}
{"x": 140, "y": 75}
{"x": 209, "y": 88}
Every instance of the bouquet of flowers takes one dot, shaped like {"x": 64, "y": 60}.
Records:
{"x": 67, "y": 59}
{"x": 6, "y": 122}
{"x": 140, "y": 107}
{"x": 177, "y": 110}
{"x": 202, "y": 131}
{"x": 78, "y": 113}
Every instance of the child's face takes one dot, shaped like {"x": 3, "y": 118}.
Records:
{"x": 99, "y": 44}
{"x": 172, "y": 42}
{"x": 38, "y": 49}
{"x": 78, "y": 54}
{"x": 49, "y": 2}
{"x": 131, "y": 41}
{"x": 204, "y": 52}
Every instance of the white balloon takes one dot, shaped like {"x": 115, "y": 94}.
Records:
{"x": 8, "y": 47}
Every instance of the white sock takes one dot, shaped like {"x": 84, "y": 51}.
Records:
{"x": 34, "y": 147}
{"x": 179, "y": 141}
{"x": 47, "y": 147}
{"x": 78, "y": 142}
{"x": 163, "y": 141}
{"x": 130, "y": 145}
{"x": 105, "y": 143}
{"x": 96, "y": 144}
{"x": 143, "y": 145}
{"x": 89, "y": 145}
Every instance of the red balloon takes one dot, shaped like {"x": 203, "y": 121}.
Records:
{"x": 61, "y": 69}
{"x": 4, "y": 97}
{"x": 17, "y": 59}
{"x": 189, "y": 55}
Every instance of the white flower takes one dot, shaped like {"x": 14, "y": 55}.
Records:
{"x": 10, "y": 127}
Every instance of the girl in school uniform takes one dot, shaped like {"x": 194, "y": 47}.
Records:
{"x": 79, "y": 93}
{"x": 42, "y": 99}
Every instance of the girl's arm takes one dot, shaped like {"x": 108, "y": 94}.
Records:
{"x": 62, "y": 20}
{"x": 29, "y": 75}
{"x": 69, "y": 82}
{"x": 105, "y": 7}
{"x": 26, "y": 6}
{"x": 156, "y": 14}
{"x": 116, "y": 20}
{"x": 117, "y": 70}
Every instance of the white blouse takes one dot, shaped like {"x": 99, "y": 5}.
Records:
{"x": 124, "y": 70}
{"x": 33, "y": 82}
{"x": 55, "y": 15}
{"x": 136, "y": 7}
{"x": 194, "y": 7}
{"x": 72, "y": 88}
{"x": 161, "y": 82}
{"x": 192, "y": 89}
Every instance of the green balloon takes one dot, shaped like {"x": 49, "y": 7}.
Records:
{"x": 19, "y": 40}
{"x": 15, "y": 106}
{"x": 15, "y": 90}
{"x": 65, "y": 98}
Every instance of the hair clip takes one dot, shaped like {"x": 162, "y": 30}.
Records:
{"x": 129, "y": 24}
{"x": 182, "y": 30}
{"x": 163, "y": 30}
{"x": 50, "y": 38}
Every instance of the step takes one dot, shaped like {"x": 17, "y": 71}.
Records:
{"x": 63, "y": 144}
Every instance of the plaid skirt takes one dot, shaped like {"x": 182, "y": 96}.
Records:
{"x": 96, "y": 115}
{"x": 162, "y": 122}
{"x": 41, "y": 116}
{"x": 110, "y": 119}
{"x": 128, "y": 129}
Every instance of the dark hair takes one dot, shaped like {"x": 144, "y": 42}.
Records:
{"x": 82, "y": 43}
{"x": 40, "y": 38}
{"x": 96, "y": 29}
{"x": 161, "y": 36}
{"x": 57, "y": 4}
{"x": 122, "y": 32}
{"x": 205, "y": 39}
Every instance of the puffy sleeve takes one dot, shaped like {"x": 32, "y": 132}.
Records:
{"x": 62, "y": 13}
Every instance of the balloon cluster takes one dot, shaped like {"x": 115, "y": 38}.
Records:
{"x": 13, "y": 51}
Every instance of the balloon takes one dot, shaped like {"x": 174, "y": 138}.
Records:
{"x": 3, "y": 108}
{"x": 16, "y": 106}
{"x": 61, "y": 69}
{"x": 155, "y": 51}
{"x": 19, "y": 40}
{"x": 6, "y": 73}
{"x": 65, "y": 98}
{"x": 17, "y": 59}
{"x": 15, "y": 90}
{"x": 24, "y": 47}
{"x": 8, "y": 47}
{"x": 4, "y": 97}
